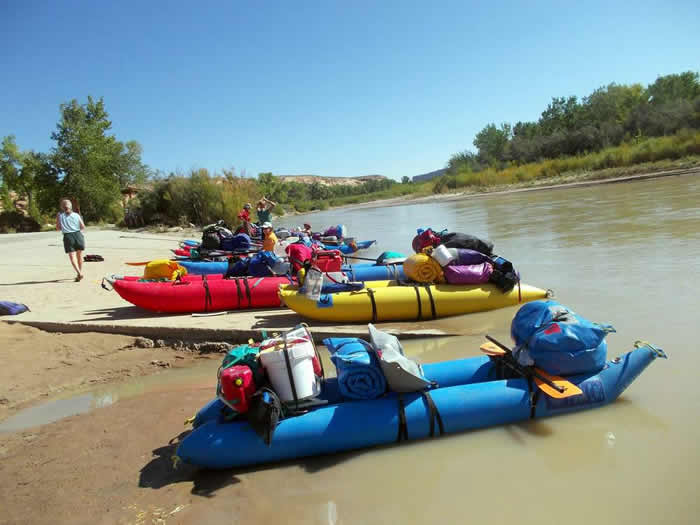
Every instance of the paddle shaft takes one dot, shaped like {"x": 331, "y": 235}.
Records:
{"x": 520, "y": 369}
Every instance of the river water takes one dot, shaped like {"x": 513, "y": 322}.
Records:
{"x": 625, "y": 254}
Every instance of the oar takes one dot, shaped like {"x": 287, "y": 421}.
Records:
{"x": 359, "y": 258}
{"x": 554, "y": 386}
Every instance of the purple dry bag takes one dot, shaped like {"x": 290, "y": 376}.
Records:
{"x": 470, "y": 274}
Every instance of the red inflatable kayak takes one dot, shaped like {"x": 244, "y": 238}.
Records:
{"x": 194, "y": 294}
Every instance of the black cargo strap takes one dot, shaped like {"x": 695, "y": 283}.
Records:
{"x": 370, "y": 292}
{"x": 247, "y": 291}
{"x": 403, "y": 428}
{"x": 534, "y": 396}
{"x": 239, "y": 291}
{"x": 420, "y": 306}
{"x": 432, "y": 301}
{"x": 207, "y": 294}
{"x": 434, "y": 414}
{"x": 290, "y": 375}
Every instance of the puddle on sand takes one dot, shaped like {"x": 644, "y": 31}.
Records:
{"x": 202, "y": 373}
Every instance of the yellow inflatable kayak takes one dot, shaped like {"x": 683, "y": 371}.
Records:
{"x": 391, "y": 301}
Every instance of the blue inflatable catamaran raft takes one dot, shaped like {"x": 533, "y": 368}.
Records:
{"x": 355, "y": 272}
{"x": 469, "y": 396}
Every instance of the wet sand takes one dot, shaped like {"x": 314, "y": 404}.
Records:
{"x": 38, "y": 365}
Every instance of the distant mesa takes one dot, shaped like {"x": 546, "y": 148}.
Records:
{"x": 330, "y": 181}
{"x": 430, "y": 175}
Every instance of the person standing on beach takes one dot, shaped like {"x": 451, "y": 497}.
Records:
{"x": 263, "y": 210}
{"x": 71, "y": 224}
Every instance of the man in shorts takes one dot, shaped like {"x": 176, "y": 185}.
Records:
{"x": 71, "y": 224}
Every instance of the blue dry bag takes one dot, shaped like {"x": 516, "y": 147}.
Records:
{"x": 558, "y": 340}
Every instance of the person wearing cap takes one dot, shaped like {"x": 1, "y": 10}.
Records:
{"x": 269, "y": 237}
{"x": 307, "y": 229}
{"x": 244, "y": 214}
{"x": 263, "y": 210}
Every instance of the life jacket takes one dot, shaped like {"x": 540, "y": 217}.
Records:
{"x": 163, "y": 269}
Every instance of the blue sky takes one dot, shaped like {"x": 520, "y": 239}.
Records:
{"x": 325, "y": 87}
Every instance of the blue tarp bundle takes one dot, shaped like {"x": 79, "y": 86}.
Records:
{"x": 359, "y": 374}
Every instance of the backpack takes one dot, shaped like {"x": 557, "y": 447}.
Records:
{"x": 10, "y": 308}
{"x": 504, "y": 276}
{"x": 261, "y": 264}
{"x": 424, "y": 239}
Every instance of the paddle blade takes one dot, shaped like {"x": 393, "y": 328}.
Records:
{"x": 492, "y": 349}
{"x": 137, "y": 263}
{"x": 570, "y": 389}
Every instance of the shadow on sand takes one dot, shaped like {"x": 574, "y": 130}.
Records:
{"x": 120, "y": 313}
{"x": 39, "y": 282}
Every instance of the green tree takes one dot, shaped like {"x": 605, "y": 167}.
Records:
{"x": 671, "y": 88}
{"x": 91, "y": 163}
{"x": 492, "y": 142}
{"x": 405, "y": 180}
{"x": 28, "y": 173}
{"x": 562, "y": 114}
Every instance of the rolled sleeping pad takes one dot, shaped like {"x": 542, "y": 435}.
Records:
{"x": 359, "y": 424}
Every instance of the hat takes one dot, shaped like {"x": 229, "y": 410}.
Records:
{"x": 247, "y": 206}
{"x": 266, "y": 225}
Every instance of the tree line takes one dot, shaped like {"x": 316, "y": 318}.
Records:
{"x": 86, "y": 164}
{"x": 608, "y": 117}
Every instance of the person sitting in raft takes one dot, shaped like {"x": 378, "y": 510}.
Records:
{"x": 263, "y": 210}
{"x": 307, "y": 229}
{"x": 269, "y": 237}
{"x": 71, "y": 224}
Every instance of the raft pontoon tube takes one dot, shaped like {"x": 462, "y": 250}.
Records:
{"x": 359, "y": 424}
{"x": 399, "y": 301}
